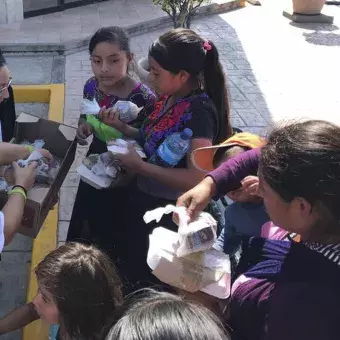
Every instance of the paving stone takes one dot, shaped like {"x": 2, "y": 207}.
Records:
{"x": 252, "y": 117}
{"x": 62, "y": 231}
{"x": 67, "y": 197}
{"x": 36, "y": 109}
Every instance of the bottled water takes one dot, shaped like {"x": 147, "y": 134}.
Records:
{"x": 53, "y": 332}
{"x": 173, "y": 149}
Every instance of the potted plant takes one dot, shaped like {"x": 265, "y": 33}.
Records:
{"x": 181, "y": 13}
{"x": 308, "y": 7}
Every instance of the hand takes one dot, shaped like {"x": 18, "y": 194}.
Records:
{"x": 110, "y": 117}
{"x": 196, "y": 199}
{"x": 24, "y": 177}
{"x": 251, "y": 185}
{"x": 131, "y": 161}
{"x": 84, "y": 131}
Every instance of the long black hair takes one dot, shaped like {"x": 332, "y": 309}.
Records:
{"x": 163, "y": 316}
{"x": 183, "y": 49}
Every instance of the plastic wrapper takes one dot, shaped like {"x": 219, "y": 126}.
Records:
{"x": 90, "y": 107}
{"x": 207, "y": 271}
{"x": 127, "y": 111}
{"x": 197, "y": 235}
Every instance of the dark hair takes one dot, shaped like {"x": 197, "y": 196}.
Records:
{"x": 85, "y": 287}
{"x": 183, "y": 49}
{"x": 303, "y": 160}
{"x": 112, "y": 35}
{"x": 2, "y": 59}
{"x": 163, "y": 316}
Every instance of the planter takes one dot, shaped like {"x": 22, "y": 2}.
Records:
{"x": 308, "y": 7}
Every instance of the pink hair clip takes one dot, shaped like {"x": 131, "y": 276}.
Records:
{"x": 207, "y": 46}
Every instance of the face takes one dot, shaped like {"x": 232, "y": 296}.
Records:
{"x": 46, "y": 307}
{"x": 4, "y": 83}
{"x": 296, "y": 216}
{"x": 165, "y": 82}
{"x": 109, "y": 63}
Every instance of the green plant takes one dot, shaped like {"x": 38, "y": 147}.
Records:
{"x": 181, "y": 12}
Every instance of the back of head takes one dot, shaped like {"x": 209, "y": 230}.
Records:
{"x": 303, "y": 160}
{"x": 183, "y": 49}
{"x": 163, "y": 316}
{"x": 85, "y": 287}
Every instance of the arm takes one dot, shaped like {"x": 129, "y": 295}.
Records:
{"x": 14, "y": 208}
{"x": 181, "y": 179}
{"x": 12, "y": 152}
{"x": 18, "y": 318}
{"x": 227, "y": 177}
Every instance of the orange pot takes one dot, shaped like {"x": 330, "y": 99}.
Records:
{"x": 308, "y": 6}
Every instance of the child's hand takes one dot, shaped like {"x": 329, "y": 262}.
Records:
{"x": 110, "y": 117}
{"x": 84, "y": 130}
{"x": 251, "y": 185}
{"x": 131, "y": 161}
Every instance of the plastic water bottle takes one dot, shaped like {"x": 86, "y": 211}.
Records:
{"x": 173, "y": 149}
{"x": 53, "y": 332}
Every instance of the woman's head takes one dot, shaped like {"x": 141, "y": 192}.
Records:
{"x": 78, "y": 288}
{"x": 5, "y": 79}
{"x": 179, "y": 60}
{"x": 164, "y": 316}
{"x": 300, "y": 179}
{"x": 110, "y": 54}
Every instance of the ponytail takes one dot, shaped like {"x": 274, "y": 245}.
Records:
{"x": 215, "y": 87}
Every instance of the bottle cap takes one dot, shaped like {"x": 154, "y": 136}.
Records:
{"x": 186, "y": 134}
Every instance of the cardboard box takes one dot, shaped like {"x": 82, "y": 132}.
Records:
{"x": 60, "y": 141}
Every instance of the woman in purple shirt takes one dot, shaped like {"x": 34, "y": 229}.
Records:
{"x": 287, "y": 290}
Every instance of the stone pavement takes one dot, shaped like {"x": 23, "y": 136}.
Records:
{"x": 276, "y": 71}
{"x": 71, "y": 29}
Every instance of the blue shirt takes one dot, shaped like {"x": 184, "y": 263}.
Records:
{"x": 241, "y": 219}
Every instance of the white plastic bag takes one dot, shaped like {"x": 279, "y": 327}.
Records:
{"x": 198, "y": 235}
{"x": 127, "y": 111}
{"x": 89, "y": 107}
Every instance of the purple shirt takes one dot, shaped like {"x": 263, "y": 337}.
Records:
{"x": 229, "y": 174}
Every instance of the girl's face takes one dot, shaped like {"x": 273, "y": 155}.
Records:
{"x": 46, "y": 307}
{"x": 165, "y": 82}
{"x": 4, "y": 83}
{"x": 296, "y": 216}
{"x": 109, "y": 63}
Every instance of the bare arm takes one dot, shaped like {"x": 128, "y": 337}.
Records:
{"x": 180, "y": 179}
{"x": 12, "y": 152}
{"x": 18, "y": 318}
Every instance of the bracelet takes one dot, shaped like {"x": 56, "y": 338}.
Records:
{"x": 20, "y": 187}
{"x": 30, "y": 148}
{"x": 18, "y": 191}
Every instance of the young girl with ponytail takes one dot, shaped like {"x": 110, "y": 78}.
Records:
{"x": 186, "y": 74}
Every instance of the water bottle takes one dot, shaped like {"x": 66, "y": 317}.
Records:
{"x": 53, "y": 332}
{"x": 173, "y": 149}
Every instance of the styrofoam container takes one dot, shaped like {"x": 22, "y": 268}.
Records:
{"x": 98, "y": 182}
{"x": 163, "y": 244}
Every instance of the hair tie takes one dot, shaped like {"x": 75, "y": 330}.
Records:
{"x": 207, "y": 46}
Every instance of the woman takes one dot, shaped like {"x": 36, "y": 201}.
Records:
{"x": 7, "y": 107}
{"x": 187, "y": 75}
{"x": 289, "y": 290}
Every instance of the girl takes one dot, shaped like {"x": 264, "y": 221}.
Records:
{"x": 187, "y": 75}
{"x": 110, "y": 56}
{"x": 78, "y": 288}
{"x": 7, "y": 106}
{"x": 162, "y": 316}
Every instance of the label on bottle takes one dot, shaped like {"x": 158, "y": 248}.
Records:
{"x": 167, "y": 155}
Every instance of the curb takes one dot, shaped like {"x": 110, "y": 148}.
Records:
{"x": 134, "y": 30}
